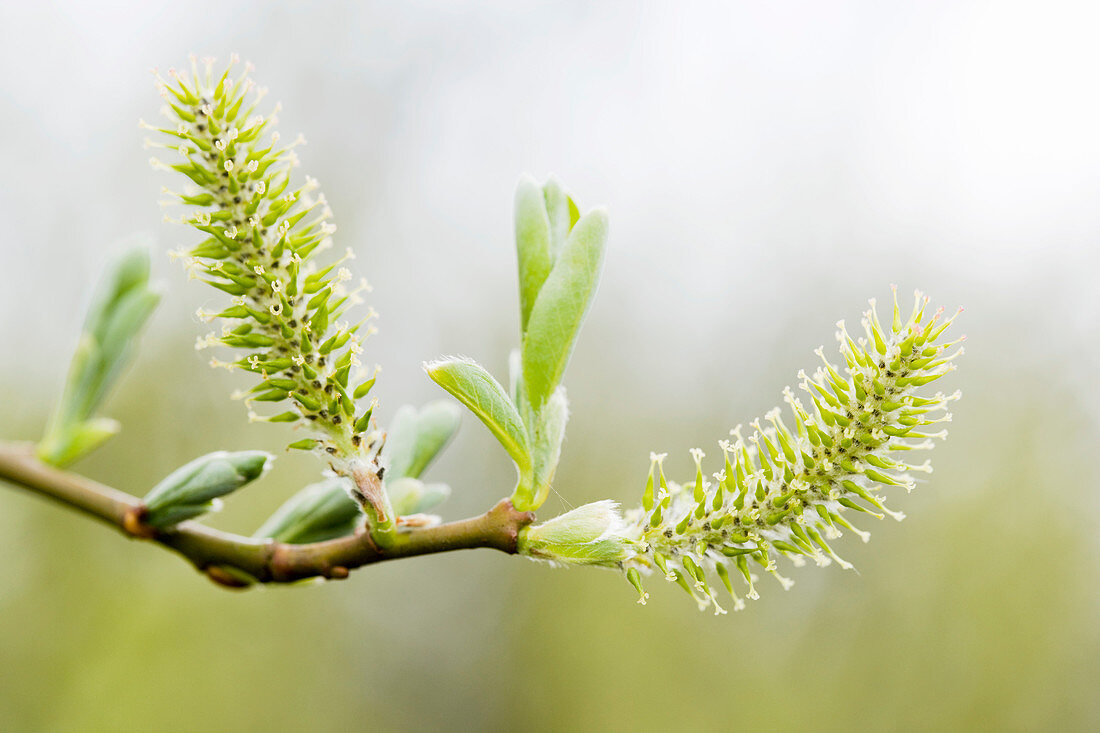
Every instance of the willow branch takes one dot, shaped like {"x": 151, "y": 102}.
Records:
{"x": 234, "y": 560}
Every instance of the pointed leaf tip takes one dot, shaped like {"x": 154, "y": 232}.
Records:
{"x": 562, "y": 305}
{"x": 469, "y": 383}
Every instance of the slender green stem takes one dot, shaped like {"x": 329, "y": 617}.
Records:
{"x": 237, "y": 561}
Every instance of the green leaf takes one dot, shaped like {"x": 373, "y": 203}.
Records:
{"x": 320, "y": 511}
{"x": 114, "y": 333}
{"x": 516, "y": 389}
{"x": 415, "y": 437}
{"x": 413, "y": 496}
{"x": 561, "y": 212}
{"x": 77, "y": 440}
{"x": 515, "y": 376}
{"x": 548, "y": 439}
{"x": 433, "y": 495}
{"x": 128, "y": 273}
{"x": 533, "y": 244}
{"x": 191, "y": 489}
{"x": 470, "y": 384}
{"x": 588, "y": 535}
{"x": 561, "y": 306}
{"x": 176, "y": 513}
{"x": 544, "y": 216}
{"x": 122, "y": 304}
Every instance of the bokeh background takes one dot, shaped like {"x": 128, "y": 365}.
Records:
{"x": 768, "y": 167}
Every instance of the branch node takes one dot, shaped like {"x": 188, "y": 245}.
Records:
{"x": 278, "y": 564}
{"x": 512, "y": 520}
{"x": 337, "y": 572}
{"x": 133, "y": 523}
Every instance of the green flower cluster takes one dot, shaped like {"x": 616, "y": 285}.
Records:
{"x": 785, "y": 491}
{"x": 261, "y": 241}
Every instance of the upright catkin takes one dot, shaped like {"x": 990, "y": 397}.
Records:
{"x": 262, "y": 241}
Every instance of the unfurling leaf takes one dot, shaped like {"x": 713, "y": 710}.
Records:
{"x": 469, "y": 383}
{"x": 548, "y": 437}
{"x": 120, "y": 308}
{"x": 320, "y": 511}
{"x": 193, "y": 488}
{"x": 589, "y": 535}
{"x": 533, "y": 244}
{"x": 416, "y": 437}
{"x": 562, "y": 213}
{"x": 413, "y": 496}
{"x": 561, "y": 306}
{"x": 544, "y": 216}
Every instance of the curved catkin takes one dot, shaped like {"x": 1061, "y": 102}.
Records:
{"x": 261, "y": 244}
{"x": 792, "y": 486}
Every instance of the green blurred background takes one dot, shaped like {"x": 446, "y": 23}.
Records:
{"x": 767, "y": 168}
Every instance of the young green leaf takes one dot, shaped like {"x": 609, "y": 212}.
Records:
{"x": 516, "y": 390}
{"x": 191, "y": 489}
{"x": 547, "y": 440}
{"x": 415, "y": 437}
{"x": 562, "y": 213}
{"x": 114, "y": 335}
{"x": 515, "y": 376}
{"x": 320, "y": 511}
{"x": 122, "y": 304}
{"x": 431, "y": 496}
{"x": 79, "y": 439}
{"x": 413, "y": 496}
{"x": 561, "y": 306}
{"x": 470, "y": 384}
{"x": 588, "y": 535}
{"x": 533, "y": 244}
